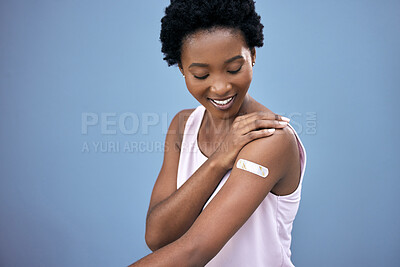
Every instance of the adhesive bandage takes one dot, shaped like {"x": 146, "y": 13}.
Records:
{"x": 252, "y": 167}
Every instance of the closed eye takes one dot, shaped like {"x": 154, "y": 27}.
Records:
{"x": 202, "y": 77}
{"x": 230, "y": 71}
{"x": 235, "y": 71}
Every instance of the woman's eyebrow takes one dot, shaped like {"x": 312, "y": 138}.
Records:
{"x": 206, "y": 65}
{"x": 234, "y": 58}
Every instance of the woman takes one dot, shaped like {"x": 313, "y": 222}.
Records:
{"x": 206, "y": 209}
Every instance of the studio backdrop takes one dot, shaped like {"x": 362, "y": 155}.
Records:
{"x": 86, "y": 100}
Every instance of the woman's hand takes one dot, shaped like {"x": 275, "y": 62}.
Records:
{"x": 245, "y": 129}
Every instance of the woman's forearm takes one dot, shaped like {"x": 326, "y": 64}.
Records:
{"x": 170, "y": 219}
{"x": 182, "y": 252}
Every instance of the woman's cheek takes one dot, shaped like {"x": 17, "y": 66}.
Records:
{"x": 194, "y": 89}
{"x": 244, "y": 80}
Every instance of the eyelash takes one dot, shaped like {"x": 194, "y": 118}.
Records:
{"x": 205, "y": 76}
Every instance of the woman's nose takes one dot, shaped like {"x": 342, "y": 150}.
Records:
{"x": 221, "y": 87}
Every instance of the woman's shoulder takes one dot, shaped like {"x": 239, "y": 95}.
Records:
{"x": 287, "y": 131}
{"x": 182, "y": 117}
{"x": 285, "y": 142}
{"x": 253, "y": 105}
{"x": 177, "y": 126}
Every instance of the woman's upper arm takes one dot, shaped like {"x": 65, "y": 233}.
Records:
{"x": 241, "y": 194}
{"x": 165, "y": 184}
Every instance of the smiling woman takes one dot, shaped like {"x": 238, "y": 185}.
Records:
{"x": 222, "y": 82}
{"x": 206, "y": 209}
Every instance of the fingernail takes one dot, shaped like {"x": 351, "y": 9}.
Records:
{"x": 285, "y": 119}
{"x": 283, "y": 122}
{"x": 271, "y": 130}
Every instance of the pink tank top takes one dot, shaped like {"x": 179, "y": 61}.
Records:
{"x": 264, "y": 240}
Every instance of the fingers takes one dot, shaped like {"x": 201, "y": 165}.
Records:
{"x": 250, "y": 136}
{"x": 262, "y": 115}
{"x": 247, "y": 126}
{"x": 256, "y": 125}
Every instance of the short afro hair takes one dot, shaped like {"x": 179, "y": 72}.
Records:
{"x": 184, "y": 17}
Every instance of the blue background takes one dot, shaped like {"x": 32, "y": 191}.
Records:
{"x": 333, "y": 67}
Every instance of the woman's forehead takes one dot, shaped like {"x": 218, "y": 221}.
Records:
{"x": 219, "y": 42}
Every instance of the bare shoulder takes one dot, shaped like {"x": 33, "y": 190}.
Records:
{"x": 178, "y": 123}
{"x": 257, "y": 107}
{"x": 282, "y": 138}
{"x": 282, "y": 144}
{"x": 279, "y": 153}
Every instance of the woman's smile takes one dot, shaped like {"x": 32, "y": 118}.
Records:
{"x": 223, "y": 104}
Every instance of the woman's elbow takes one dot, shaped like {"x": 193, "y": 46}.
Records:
{"x": 192, "y": 253}
{"x": 152, "y": 240}
{"x": 152, "y": 236}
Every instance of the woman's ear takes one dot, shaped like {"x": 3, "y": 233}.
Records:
{"x": 181, "y": 68}
{"x": 253, "y": 55}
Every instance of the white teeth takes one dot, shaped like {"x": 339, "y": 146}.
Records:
{"x": 223, "y": 102}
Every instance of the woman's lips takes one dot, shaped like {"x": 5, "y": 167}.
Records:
{"x": 223, "y": 104}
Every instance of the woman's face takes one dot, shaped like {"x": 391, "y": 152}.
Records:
{"x": 218, "y": 70}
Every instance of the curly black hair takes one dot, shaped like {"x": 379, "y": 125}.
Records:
{"x": 184, "y": 17}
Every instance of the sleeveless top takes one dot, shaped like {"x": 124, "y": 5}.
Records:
{"x": 264, "y": 240}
